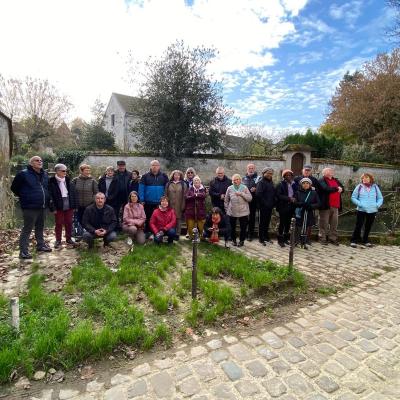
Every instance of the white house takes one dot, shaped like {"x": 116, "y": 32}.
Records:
{"x": 119, "y": 118}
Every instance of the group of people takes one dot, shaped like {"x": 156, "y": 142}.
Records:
{"x": 153, "y": 206}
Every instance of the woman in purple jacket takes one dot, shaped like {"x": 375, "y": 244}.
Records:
{"x": 195, "y": 208}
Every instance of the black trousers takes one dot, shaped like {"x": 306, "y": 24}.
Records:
{"x": 33, "y": 218}
{"x": 265, "y": 220}
{"x": 252, "y": 217}
{"x": 243, "y": 221}
{"x": 285, "y": 219}
{"x": 368, "y": 219}
{"x": 148, "y": 210}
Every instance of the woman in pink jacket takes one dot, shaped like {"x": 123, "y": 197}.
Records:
{"x": 134, "y": 219}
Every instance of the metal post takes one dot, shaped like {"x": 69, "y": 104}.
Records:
{"x": 15, "y": 313}
{"x": 194, "y": 262}
{"x": 292, "y": 242}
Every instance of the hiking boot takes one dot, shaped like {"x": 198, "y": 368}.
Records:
{"x": 45, "y": 249}
{"x": 334, "y": 242}
{"x": 263, "y": 242}
{"x": 70, "y": 242}
{"x": 25, "y": 255}
{"x": 57, "y": 244}
{"x": 281, "y": 244}
{"x": 241, "y": 243}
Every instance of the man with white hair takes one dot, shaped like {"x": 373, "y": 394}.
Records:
{"x": 330, "y": 193}
{"x": 31, "y": 186}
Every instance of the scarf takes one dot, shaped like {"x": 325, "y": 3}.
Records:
{"x": 238, "y": 188}
{"x": 62, "y": 185}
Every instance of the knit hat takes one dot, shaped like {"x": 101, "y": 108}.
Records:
{"x": 267, "y": 169}
{"x": 285, "y": 171}
{"x": 305, "y": 180}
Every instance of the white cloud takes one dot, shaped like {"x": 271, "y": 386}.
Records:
{"x": 82, "y": 46}
{"x": 349, "y": 11}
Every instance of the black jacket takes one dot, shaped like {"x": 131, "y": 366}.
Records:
{"x": 123, "y": 179}
{"x": 325, "y": 191}
{"x": 250, "y": 182}
{"x": 224, "y": 226}
{"x": 56, "y": 201}
{"x": 109, "y": 222}
{"x": 218, "y": 187}
{"x": 284, "y": 205}
{"x": 307, "y": 200}
{"x": 266, "y": 193}
{"x": 31, "y": 188}
{"x": 112, "y": 196}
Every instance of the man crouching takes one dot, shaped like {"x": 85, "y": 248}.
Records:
{"x": 99, "y": 221}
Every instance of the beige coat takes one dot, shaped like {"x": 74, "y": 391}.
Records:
{"x": 176, "y": 195}
{"x": 237, "y": 202}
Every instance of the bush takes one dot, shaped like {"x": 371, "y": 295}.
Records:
{"x": 323, "y": 146}
{"x": 363, "y": 152}
{"x": 71, "y": 158}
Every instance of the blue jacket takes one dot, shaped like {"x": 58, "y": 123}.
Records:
{"x": 31, "y": 188}
{"x": 152, "y": 187}
{"x": 367, "y": 201}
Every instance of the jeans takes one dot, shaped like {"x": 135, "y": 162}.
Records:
{"x": 89, "y": 238}
{"x": 32, "y": 218}
{"x": 368, "y": 219}
{"x": 148, "y": 210}
{"x": 243, "y": 221}
{"x": 171, "y": 233}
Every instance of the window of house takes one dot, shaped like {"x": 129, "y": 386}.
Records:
{"x": 112, "y": 119}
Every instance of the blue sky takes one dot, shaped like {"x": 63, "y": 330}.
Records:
{"x": 279, "y": 60}
{"x": 330, "y": 38}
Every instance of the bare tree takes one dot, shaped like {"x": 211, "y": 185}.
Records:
{"x": 394, "y": 30}
{"x": 33, "y": 97}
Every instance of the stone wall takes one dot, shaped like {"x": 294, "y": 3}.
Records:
{"x": 5, "y": 200}
{"x": 386, "y": 176}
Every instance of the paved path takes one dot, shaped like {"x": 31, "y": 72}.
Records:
{"x": 342, "y": 348}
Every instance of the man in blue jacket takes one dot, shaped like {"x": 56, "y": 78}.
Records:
{"x": 151, "y": 188}
{"x": 31, "y": 186}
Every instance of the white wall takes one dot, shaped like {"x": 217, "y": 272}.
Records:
{"x": 119, "y": 127}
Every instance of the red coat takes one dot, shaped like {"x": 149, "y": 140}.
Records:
{"x": 162, "y": 220}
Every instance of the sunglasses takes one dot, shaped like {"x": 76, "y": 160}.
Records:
{"x": 62, "y": 170}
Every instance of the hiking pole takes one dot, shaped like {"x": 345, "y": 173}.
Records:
{"x": 303, "y": 235}
{"x": 195, "y": 242}
{"x": 292, "y": 242}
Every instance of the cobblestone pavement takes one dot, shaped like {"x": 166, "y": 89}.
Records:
{"x": 343, "y": 348}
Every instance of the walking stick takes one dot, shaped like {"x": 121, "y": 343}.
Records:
{"x": 303, "y": 235}
{"x": 292, "y": 243}
{"x": 194, "y": 262}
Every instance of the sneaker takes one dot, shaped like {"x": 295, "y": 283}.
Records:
{"x": 354, "y": 245}
{"x": 227, "y": 245}
{"x": 129, "y": 241}
{"x": 57, "y": 244}
{"x": 241, "y": 243}
{"x": 25, "y": 256}
{"x": 45, "y": 248}
{"x": 368, "y": 244}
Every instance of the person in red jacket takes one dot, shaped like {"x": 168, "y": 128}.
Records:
{"x": 163, "y": 222}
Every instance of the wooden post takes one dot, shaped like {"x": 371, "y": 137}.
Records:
{"x": 15, "y": 313}
{"x": 195, "y": 242}
{"x": 292, "y": 242}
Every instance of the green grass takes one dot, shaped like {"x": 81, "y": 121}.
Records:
{"x": 105, "y": 314}
{"x": 216, "y": 298}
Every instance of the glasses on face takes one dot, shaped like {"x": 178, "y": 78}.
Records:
{"x": 190, "y": 173}
{"x": 62, "y": 170}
